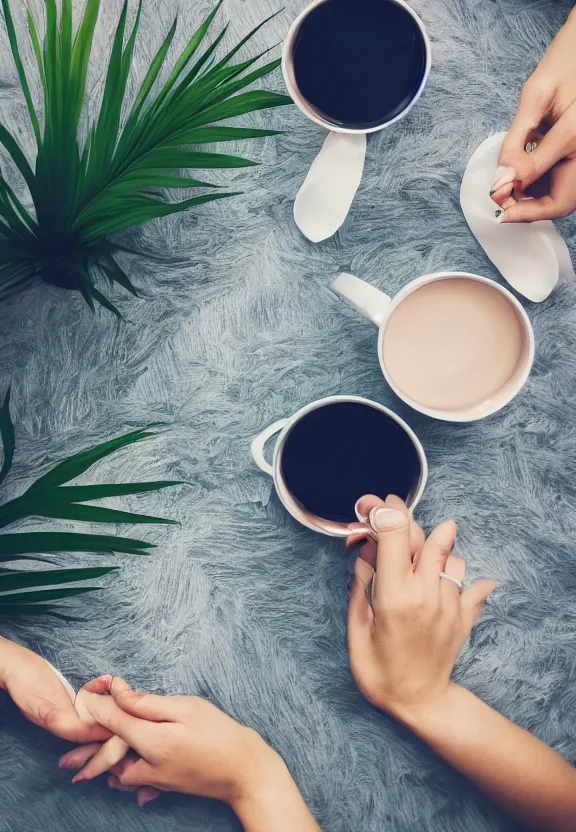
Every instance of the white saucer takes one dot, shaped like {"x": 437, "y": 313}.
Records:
{"x": 532, "y": 257}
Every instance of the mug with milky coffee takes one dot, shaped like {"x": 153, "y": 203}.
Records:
{"x": 453, "y": 345}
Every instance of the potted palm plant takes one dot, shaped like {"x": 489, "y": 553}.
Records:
{"x": 82, "y": 190}
{"x": 25, "y": 591}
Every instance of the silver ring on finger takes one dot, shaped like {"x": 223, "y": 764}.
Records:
{"x": 458, "y": 583}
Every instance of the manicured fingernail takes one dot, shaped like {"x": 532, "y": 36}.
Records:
{"x": 65, "y": 764}
{"x": 382, "y": 519}
{"x": 146, "y": 795}
{"x": 362, "y": 517}
{"x": 531, "y": 146}
{"x": 503, "y": 176}
{"x": 78, "y": 778}
{"x": 499, "y": 214}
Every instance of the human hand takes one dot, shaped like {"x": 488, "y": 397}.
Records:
{"x": 184, "y": 744}
{"x": 42, "y": 697}
{"x": 548, "y": 98}
{"x": 404, "y": 644}
{"x": 96, "y": 758}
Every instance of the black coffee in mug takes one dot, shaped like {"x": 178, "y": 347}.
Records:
{"x": 359, "y": 63}
{"x": 343, "y": 450}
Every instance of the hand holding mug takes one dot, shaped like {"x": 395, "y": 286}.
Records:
{"x": 404, "y": 643}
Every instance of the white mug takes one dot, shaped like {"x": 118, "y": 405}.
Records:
{"x": 378, "y": 308}
{"x": 283, "y": 428}
{"x": 325, "y": 198}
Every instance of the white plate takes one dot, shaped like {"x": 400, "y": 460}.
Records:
{"x": 532, "y": 257}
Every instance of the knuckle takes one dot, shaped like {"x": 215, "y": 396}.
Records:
{"x": 50, "y": 717}
{"x": 535, "y": 90}
{"x": 134, "y": 695}
{"x": 564, "y": 210}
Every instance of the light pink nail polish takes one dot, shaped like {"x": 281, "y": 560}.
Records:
{"x": 382, "y": 519}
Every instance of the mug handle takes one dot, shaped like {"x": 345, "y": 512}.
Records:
{"x": 367, "y": 299}
{"x": 258, "y": 443}
{"x": 325, "y": 198}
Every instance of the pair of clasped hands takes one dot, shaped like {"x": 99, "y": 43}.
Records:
{"x": 406, "y": 627}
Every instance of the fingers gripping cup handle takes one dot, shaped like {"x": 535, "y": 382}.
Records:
{"x": 259, "y": 442}
{"x": 367, "y": 299}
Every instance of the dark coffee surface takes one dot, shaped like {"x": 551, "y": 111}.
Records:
{"x": 359, "y": 62}
{"x": 338, "y": 453}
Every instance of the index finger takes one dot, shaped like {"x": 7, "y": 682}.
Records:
{"x": 107, "y": 713}
{"x": 532, "y": 109}
{"x": 558, "y": 143}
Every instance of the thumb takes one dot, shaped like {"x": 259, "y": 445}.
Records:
{"x": 473, "y": 599}
{"x": 532, "y": 210}
{"x": 146, "y": 705}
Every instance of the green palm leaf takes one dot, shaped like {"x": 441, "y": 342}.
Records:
{"x": 7, "y": 436}
{"x": 30, "y": 543}
{"x": 17, "y": 598}
{"x": 50, "y": 577}
{"x": 49, "y": 497}
{"x": 82, "y": 191}
{"x": 77, "y": 464}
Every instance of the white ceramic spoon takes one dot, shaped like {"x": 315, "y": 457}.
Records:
{"x": 324, "y": 200}
{"x": 532, "y": 257}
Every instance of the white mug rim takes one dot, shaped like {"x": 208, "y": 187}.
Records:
{"x": 328, "y": 527}
{"x": 446, "y": 415}
{"x": 306, "y": 108}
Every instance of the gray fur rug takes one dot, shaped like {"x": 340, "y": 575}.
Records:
{"x": 238, "y": 328}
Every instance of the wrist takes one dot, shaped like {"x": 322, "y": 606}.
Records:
{"x": 265, "y": 780}
{"x": 427, "y": 716}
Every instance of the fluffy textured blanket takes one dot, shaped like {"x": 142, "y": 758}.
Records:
{"x": 238, "y": 328}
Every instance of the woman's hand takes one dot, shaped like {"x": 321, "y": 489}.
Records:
{"x": 404, "y": 645}
{"x": 549, "y": 99}
{"x": 186, "y": 744}
{"x": 402, "y": 652}
{"x": 42, "y": 697}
